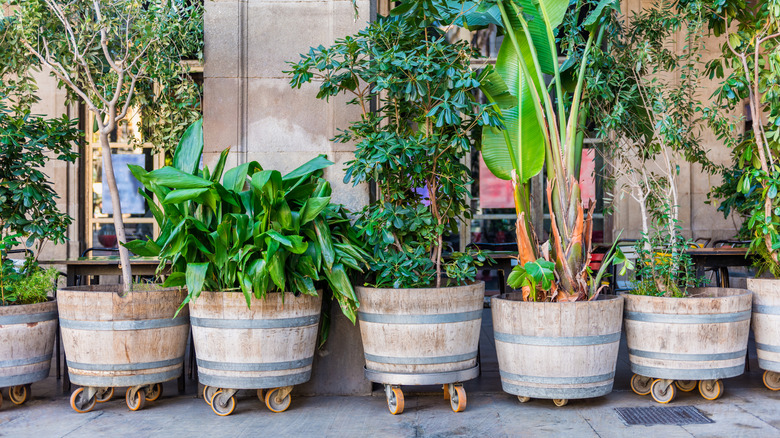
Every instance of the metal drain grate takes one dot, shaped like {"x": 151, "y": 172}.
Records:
{"x": 677, "y": 415}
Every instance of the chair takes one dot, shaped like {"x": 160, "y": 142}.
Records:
{"x": 87, "y": 251}
{"x": 722, "y": 274}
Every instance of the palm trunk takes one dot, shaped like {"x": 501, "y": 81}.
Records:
{"x": 119, "y": 225}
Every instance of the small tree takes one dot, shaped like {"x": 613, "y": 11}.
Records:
{"x": 102, "y": 51}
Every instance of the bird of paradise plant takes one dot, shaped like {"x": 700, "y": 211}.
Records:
{"x": 543, "y": 128}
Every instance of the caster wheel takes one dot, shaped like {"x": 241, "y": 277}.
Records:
{"x": 685, "y": 385}
{"x": 395, "y": 400}
{"x": 135, "y": 399}
{"x": 663, "y": 391}
{"x": 260, "y": 395}
{"x": 772, "y": 380}
{"x": 641, "y": 384}
{"x": 104, "y": 394}
{"x": 561, "y": 402}
{"x": 19, "y": 394}
{"x": 710, "y": 389}
{"x": 78, "y": 403}
{"x": 458, "y": 399}
{"x": 221, "y": 406}
{"x": 208, "y": 393}
{"x": 275, "y": 404}
{"x": 523, "y": 399}
{"x": 154, "y": 392}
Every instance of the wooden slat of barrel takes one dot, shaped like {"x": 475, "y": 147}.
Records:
{"x": 766, "y": 321}
{"x": 557, "y": 350}
{"x": 700, "y": 337}
{"x": 26, "y": 342}
{"x": 421, "y": 331}
{"x": 123, "y": 341}
{"x": 271, "y": 344}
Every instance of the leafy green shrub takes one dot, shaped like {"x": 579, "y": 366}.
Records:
{"x": 413, "y": 146}
{"x": 25, "y": 284}
{"x": 256, "y": 231}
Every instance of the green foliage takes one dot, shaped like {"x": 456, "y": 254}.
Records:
{"x": 413, "y": 146}
{"x": 25, "y": 283}
{"x": 750, "y": 71}
{"x": 256, "y": 231}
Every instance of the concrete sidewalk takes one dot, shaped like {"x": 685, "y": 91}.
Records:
{"x": 747, "y": 409}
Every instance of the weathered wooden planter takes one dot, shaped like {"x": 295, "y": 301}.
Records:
{"x": 677, "y": 343}
{"x": 557, "y": 351}
{"x": 112, "y": 341}
{"x": 766, "y": 327}
{"x": 269, "y": 345}
{"x": 421, "y": 337}
{"x": 26, "y": 343}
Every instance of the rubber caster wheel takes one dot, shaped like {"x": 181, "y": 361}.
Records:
{"x": 663, "y": 391}
{"x": 560, "y": 402}
{"x": 274, "y": 403}
{"x": 135, "y": 398}
{"x": 772, "y": 380}
{"x": 458, "y": 399}
{"x": 208, "y": 393}
{"x": 685, "y": 385}
{"x": 641, "y": 384}
{"x": 78, "y": 403}
{"x": 710, "y": 389}
{"x": 221, "y": 406}
{"x": 260, "y": 395}
{"x": 19, "y": 394}
{"x": 395, "y": 400}
{"x": 523, "y": 399}
{"x": 104, "y": 394}
{"x": 154, "y": 392}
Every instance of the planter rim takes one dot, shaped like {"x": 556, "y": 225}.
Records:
{"x": 417, "y": 289}
{"x": 731, "y": 292}
{"x": 115, "y": 288}
{"x": 599, "y": 299}
{"x": 764, "y": 280}
{"x": 49, "y": 300}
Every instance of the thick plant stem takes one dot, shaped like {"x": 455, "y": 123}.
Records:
{"x": 119, "y": 225}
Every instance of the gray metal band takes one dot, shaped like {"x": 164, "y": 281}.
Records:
{"x": 254, "y": 323}
{"x": 125, "y": 366}
{"x": 556, "y": 380}
{"x": 134, "y": 380}
{"x": 769, "y": 365}
{"x": 663, "y": 318}
{"x": 123, "y": 325}
{"x": 28, "y": 318}
{"x": 421, "y": 360}
{"x": 688, "y": 374}
{"x": 765, "y": 347}
{"x": 765, "y": 309}
{"x": 421, "y": 378}
{"x": 564, "y": 341}
{"x": 23, "y": 379}
{"x": 688, "y": 357}
{"x": 441, "y": 318}
{"x": 268, "y": 366}
{"x": 553, "y": 393}
{"x": 25, "y": 361}
{"x": 236, "y": 382}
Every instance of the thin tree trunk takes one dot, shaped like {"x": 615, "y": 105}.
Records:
{"x": 119, "y": 225}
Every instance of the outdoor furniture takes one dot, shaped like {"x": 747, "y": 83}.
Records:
{"x": 720, "y": 258}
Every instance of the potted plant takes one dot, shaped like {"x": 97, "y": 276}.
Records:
{"x": 28, "y": 218}
{"x": 751, "y": 40}
{"x": 108, "y": 55}
{"x": 251, "y": 247}
{"x": 420, "y": 310}
{"x": 558, "y": 338}
{"x": 678, "y": 335}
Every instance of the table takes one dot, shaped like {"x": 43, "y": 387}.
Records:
{"x": 98, "y": 265}
{"x": 721, "y": 259}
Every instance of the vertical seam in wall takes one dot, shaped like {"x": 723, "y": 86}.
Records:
{"x": 330, "y": 130}
{"x": 243, "y": 91}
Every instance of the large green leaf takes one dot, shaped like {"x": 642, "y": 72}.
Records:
{"x": 176, "y": 179}
{"x": 190, "y": 149}
{"x": 196, "y": 277}
{"x": 182, "y": 195}
{"x": 312, "y": 208}
{"x": 543, "y": 17}
{"x": 313, "y": 165}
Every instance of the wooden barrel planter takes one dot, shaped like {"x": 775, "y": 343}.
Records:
{"x": 268, "y": 345}
{"x": 681, "y": 343}
{"x": 557, "y": 351}
{"x": 112, "y": 341}
{"x": 421, "y": 337}
{"x": 26, "y": 343}
{"x": 766, "y": 327}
